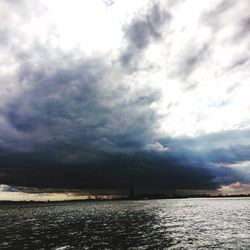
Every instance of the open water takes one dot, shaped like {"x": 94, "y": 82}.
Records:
{"x": 154, "y": 224}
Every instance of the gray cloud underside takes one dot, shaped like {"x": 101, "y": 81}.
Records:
{"x": 142, "y": 32}
{"x": 72, "y": 132}
{"x": 77, "y": 123}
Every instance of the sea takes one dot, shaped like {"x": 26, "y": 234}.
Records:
{"x": 198, "y": 223}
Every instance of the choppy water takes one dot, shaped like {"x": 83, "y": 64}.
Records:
{"x": 156, "y": 224}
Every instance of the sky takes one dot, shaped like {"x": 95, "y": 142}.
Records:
{"x": 95, "y": 94}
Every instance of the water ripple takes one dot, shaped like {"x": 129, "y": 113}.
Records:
{"x": 157, "y": 224}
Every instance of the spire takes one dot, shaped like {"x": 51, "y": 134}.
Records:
{"x": 131, "y": 193}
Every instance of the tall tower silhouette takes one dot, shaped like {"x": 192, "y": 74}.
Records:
{"x": 131, "y": 192}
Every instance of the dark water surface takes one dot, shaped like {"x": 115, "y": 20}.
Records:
{"x": 156, "y": 224}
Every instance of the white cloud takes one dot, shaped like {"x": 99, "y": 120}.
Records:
{"x": 6, "y": 188}
{"x": 157, "y": 147}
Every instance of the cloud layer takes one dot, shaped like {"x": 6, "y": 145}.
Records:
{"x": 164, "y": 102}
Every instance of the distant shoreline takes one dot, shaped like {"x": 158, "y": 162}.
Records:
{"x": 137, "y": 198}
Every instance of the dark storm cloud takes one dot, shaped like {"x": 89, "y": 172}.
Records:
{"x": 73, "y": 137}
{"x": 78, "y": 103}
{"x": 75, "y": 123}
{"x": 147, "y": 170}
{"x": 49, "y": 97}
{"x": 233, "y": 154}
{"x": 75, "y": 134}
{"x": 222, "y": 139}
{"x": 143, "y": 31}
{"x": 216, "y": 152}
{"x": 183, "y": 166}
{"x": 74, "y": 126}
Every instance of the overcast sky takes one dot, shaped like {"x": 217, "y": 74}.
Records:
{"x": 97, "y": 93}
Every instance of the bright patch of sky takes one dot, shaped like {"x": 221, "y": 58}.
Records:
{"x": 192, "y": 65}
